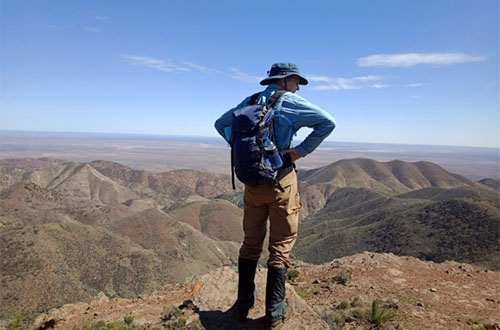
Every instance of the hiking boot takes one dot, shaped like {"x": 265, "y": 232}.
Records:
{"x": 276, "y": 325}
{"x": 244, "y": 309}
{"x": 243, "y": 313}
{"x": 246, "y": 287}
{"x": 289, "y": 311}
{"x": 275, "y": 296}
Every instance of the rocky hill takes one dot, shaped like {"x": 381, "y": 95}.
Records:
{"x": 388, "y": 178}
{"x": 416, "y": 209}
{"x": 174, "y": 185}
{"x": 385, "y": 177}
{"x": 492, "y": 183}
{"x": 218, "y": 219}
{"x": 440, "y": 228}
{"x": 336, "y": 295}
{"x": 58, "y": 249}
{"x": 71, "y": 230}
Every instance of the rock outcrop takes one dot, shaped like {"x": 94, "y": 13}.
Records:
{"x": 419, "y": 295}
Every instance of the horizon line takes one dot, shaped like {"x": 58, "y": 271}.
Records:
{"x": 219, "y": 138}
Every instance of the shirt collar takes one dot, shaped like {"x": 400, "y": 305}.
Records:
{"x": 273, "y": 87}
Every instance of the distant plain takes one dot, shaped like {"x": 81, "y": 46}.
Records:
{"x": 161, "y": 153}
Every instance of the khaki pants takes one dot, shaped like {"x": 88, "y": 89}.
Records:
{"x": 282, "y": 208}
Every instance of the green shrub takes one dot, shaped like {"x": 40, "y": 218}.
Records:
{"x": 180, "y": 324}
{"x": 17, "y": 324}
{"x": 377, "y": 314}
{"x": 304, "y": 293}
{"x": 196, "y": 325}
{"x": 344, "y": 304}
{"x": 128, "y": 320}
{"x": 334, "y": 319}
{"x": 357, "y": 302}
{"x": 126, "y": 324}
{"x": 353, "y": 314}
{"x": 479, "y": 327}
{"x": 293, "y": 274}
{"x": 343, "y": 277}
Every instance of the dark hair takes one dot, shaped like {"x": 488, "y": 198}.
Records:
{"x": 274, "y": 81}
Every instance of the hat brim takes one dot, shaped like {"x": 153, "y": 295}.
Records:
{"x": 267, "y": 81}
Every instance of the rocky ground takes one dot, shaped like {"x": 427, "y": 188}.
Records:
{"x": 423, "y": 295}
{"x": 418, "y": 294}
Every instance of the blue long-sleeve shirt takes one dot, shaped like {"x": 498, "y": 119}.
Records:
{"x": 294, "y": 112}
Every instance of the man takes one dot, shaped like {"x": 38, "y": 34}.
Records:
{"x": 266, "y": 200}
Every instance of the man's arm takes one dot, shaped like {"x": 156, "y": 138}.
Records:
{"x": 305, "y": 114}
{"x": 223, "y": 125}
{"x": 293, "y": 154}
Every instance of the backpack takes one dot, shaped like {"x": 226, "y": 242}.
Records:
{"x": 255, "y": 156}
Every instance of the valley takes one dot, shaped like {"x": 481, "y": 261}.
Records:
{"x": 72, "y": 230}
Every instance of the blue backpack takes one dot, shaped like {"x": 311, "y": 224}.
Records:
{"x": 255, "y": 156}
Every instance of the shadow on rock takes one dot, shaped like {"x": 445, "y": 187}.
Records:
{"x": 219, "y": 320}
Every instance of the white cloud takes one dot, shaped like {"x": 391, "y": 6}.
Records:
{"x": 184, "y": 66}
{"x": 237, "y": 74}
{"x": 345, "y": 83}
{"x": 326, "y": 88}
{"x": 412, "y": 59}
{"x": 196, "y": 66}
{"x": 93, "y": 29}
{"x": 314, "y": 78}
{"x": 339, "y": 83}
{"x": 154, "y": 63}
{"x": 369, "y": 78}
{"x": 415, "y": 85}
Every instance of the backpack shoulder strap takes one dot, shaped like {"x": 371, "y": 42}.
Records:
{"x": 274, "y": 98}
{"x": 254, "y": 98}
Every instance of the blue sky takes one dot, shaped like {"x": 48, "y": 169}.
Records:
{"x": 411, "y": 72}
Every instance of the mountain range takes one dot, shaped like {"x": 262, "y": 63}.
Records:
{"x": 71, "y": 230}
{"x": 416, "y": 209}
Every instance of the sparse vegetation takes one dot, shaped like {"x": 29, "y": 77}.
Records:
{"x": 486, "y": 327}
{"x": 171, "y": 314}
{"x": 473, "y": 322}
{"x": 179, "y": 324}
{"x": 343, "y": 277}
{"x": 346, "y": 311}
{"x": 304, "y": 293}
{"x": 196, "y": 325}
{"x": 336, "y": 264}
{"x": 172, "y": 320}
{"x": 293, "y": 274}
{"x": 128, "y": 319}
{"x": 476, "y": 324}
{"x": 129, "y": 324}
{"x": 357, "y": 302}
{"x": 102, "y": 325}
{"x": 17, "y": 324}
{"x": 344, "y": 304}
{"x": 334, "y": 319}
{"x": 479, "y": 327}
{"x": 436, "y": 224}
{"x": 377, "y": 314}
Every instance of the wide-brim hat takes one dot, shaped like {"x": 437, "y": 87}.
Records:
{"x": 283, "y": 70}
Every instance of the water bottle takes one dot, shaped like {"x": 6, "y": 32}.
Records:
{"x": 272, "y": 154}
